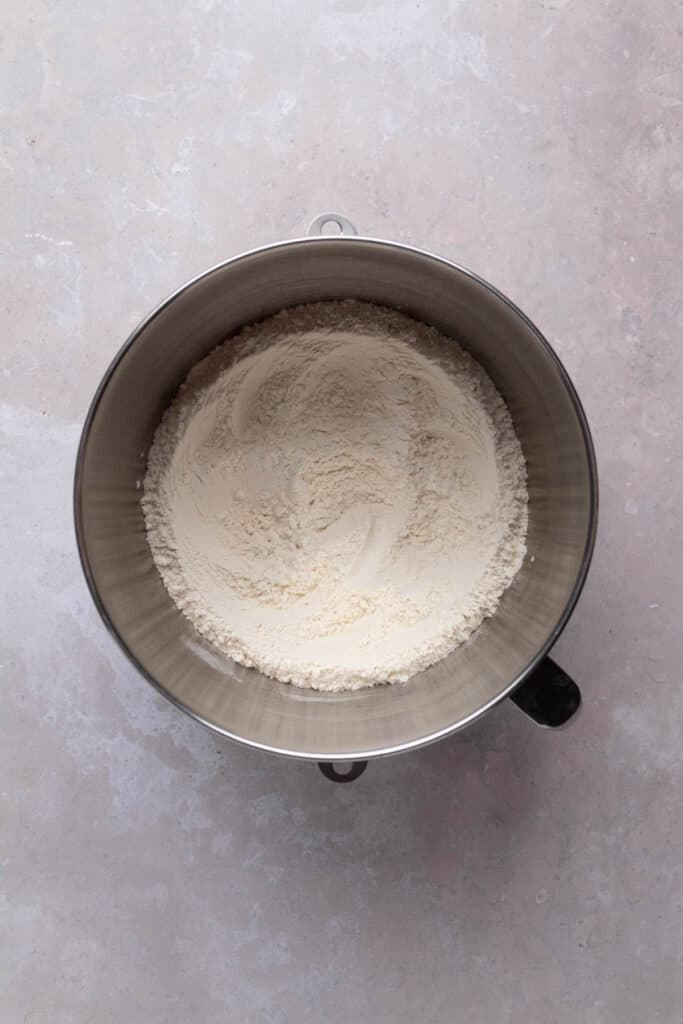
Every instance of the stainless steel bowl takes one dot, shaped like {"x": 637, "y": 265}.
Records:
{"x": 505, "y": 656}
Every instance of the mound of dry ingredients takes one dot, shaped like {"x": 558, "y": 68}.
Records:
{"x": 326, "y": 503}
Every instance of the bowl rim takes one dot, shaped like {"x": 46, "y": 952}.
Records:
{"x": 451, "y": 728}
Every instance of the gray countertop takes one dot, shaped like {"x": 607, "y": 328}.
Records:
{"x": 150, "y": 872}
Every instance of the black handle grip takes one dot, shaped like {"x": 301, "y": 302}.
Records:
{"x": 330, "y": 772}
{"x": 549, "y": 697}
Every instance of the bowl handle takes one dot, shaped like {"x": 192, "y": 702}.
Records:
{"x": 549, "y": 697}
{"x": 346, "y": 227}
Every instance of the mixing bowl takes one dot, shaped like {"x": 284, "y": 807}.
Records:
{"x": 506, "y": 656}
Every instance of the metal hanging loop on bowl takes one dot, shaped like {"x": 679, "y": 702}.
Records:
{"x": 346, "y": 227}
{"x": 353, "y": 770}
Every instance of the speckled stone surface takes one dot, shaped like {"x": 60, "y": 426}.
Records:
{"x": 150, "y": 872}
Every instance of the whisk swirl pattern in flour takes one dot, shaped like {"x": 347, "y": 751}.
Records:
{"x": 328, "y": 504}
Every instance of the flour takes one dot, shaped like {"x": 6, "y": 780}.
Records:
{"x": 329, "y": 505}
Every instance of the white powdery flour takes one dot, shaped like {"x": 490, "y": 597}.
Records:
{"x": 329, "y": 505}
